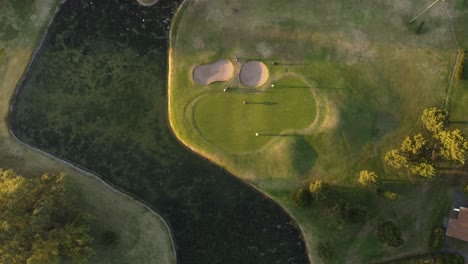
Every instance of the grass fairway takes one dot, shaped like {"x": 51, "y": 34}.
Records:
{"x": 371, "y": 75}
{"x": 142, "y": 235}
{"x": 226, "y": 121}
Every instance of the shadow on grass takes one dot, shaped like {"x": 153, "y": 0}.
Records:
{"x": 304, "y": 156}
{"x": 459, "y": 122}
{"x": 262, "y": 103}
{"x": 276, "y": 135}
{"x": 244, "y": 90}
{"x": 292, "y": 86}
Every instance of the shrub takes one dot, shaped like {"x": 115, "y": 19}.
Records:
{"x": 338, "y": 213}
{"x": 389, "y": 234}
{"x": 436, "y": 239}
{"x": 324, "y": 250}
{"x": 301, "y": 197}
{"x": 459, "y": 65}
{"x": 465, "y": 188}
{"x": 388, "y": 195}
{"x": 437, "y": 258}
{"x": 108, "y": 238}
{"x": 368, "y": 179}
{"x": 319, "y": 190}
{"x": 357, "y": 215}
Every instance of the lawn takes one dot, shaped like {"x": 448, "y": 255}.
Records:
{"x": 288, "y": 106}
{"x": 142, "y": 234}
{"x": 371, "y": 75}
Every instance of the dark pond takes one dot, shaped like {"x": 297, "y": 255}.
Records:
{"x": 96, "y": 96}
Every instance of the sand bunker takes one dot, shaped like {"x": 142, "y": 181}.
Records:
{"x": 254, "y": 73}
{"x": 147, "y": 2}
{"x": 221, "y": 70}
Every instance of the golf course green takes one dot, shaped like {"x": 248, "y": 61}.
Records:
{"x": 348, "y": 81}
{"x": 247, "y": 120}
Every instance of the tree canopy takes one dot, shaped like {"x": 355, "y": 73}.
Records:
{"x": 319, "y": 190}
{"x": 434, "y": 119}
{"x": 302, "y": 197}
{"x": 418, "y": 154}
{"x": 389, "y": 234}
{"x": 40, "y": 222}
{"x": 454, "y": 145}
{"x": 368, "y": 179}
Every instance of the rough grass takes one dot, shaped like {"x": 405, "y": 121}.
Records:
{"x": 372, "y": 76}
{"x": 142, "y": 235}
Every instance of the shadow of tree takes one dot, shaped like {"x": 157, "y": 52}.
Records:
{"x": 303, "y": 157}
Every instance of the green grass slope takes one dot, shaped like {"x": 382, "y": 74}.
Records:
{"x": 371, "y": 74}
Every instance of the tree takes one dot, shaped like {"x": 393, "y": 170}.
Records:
{"x": 319, "y": 190}
{"x": 395, "y": 159}
{"x": 302, "y": 197}
{"x": 368, "y": 179}
{"x": 339, "y": 211}
{"x": 423, "y": 169}
{"x": 414, "y": 146}
{"x": 40, "y": 222}
{"x": 389, "y": 234}
{"x": 434, "y": 120}
{"x": 454, "y": 145}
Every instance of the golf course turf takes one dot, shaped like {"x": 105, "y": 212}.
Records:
{"x": 348, "y": 81}
{"x": 244, "y": 120}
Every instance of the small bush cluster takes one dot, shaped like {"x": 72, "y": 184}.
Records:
{"x": 436, "y": 240}
{"x": 389, "y": 234}
{"x": 437, "y": 258}
{"x": 341, "y": 212}
{"x": 108, "y": 238}
{"x": 301, "y": 197}
{"x": 459, "y": 65}
{"x": 324, "y": 250}
{"x": 465, "y": 188}
{"x": 388, "y": 195}
{"x": 318, "y": 191}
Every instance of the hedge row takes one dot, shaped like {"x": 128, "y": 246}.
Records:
{"x": 436, "y": 258}
{"x": 459, "y": 65}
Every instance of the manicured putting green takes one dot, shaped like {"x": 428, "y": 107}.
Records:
{"x": 226, "y": 121}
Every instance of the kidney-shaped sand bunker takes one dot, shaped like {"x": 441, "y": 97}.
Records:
{"x": 217, "y": 71}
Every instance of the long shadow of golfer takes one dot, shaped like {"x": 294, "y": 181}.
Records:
{"x": 290, "y": 64}
{"x": 276, "y": 135}
{"x": 245, "y": 90}
{"x": 262, "y": 103}
{"x": 292, "y": 86}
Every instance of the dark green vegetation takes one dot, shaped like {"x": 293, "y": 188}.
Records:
{"x": 389, "y": 234}
{"x": 437, "y": 258}
{"x": 40, "y": 220}
{"x": 97, "y": 97}
{"x": 436, "y": 240}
